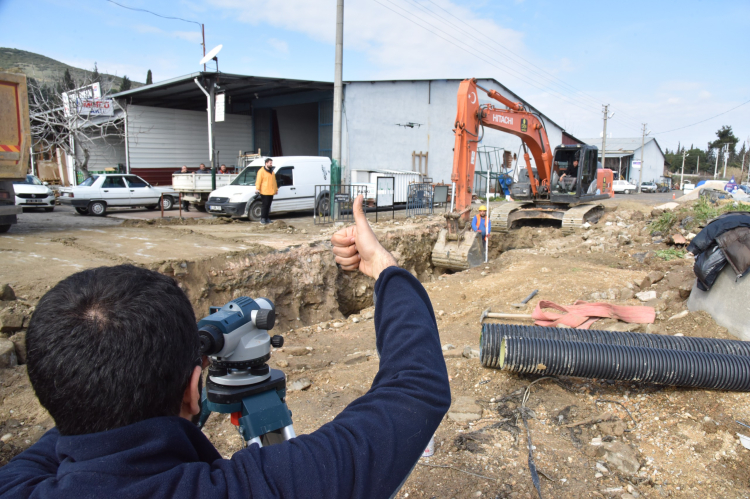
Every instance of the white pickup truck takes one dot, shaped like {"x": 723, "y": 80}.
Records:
{"x": 196, "y": 187}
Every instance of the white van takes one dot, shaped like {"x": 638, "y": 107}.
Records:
{"x": 296, "y": 177}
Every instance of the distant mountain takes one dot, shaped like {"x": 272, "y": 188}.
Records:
{"x": 45, "y": 69}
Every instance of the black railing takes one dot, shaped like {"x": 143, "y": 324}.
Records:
{"x": 419, "y": 200}
{"x": 334, "y": 203}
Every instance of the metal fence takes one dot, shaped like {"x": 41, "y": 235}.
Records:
{"x": 419, "y": 200}
{"x": 337, "y": 207}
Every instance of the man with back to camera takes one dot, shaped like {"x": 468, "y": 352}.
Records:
{"x": 113, "y": 355}
{"x": 265, "y": 184}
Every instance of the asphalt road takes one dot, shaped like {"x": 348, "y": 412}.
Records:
{"x": 63, "y": 218}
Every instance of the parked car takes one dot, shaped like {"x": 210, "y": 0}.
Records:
{"x": 98, "y": 193}
{"x": 648, "y": 186}
{"x": 623, "y": 187}
{"x": 296, "y": 177}
{"x": 33, "y": 193}
{"x": 687, "y": 186}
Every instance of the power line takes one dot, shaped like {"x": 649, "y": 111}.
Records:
{"x": 703, "y": 121}
{"x": 154, "y": 13}
{"x": 552, "y": 76}
{"x": 476, "y": 55}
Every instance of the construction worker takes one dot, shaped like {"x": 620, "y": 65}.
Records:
{"x": 265, "y": 184}
{"x": 223, "y": 170}
{"x": 480, "y": 223}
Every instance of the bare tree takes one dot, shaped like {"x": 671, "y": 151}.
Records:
{"x": 63, "y": 118}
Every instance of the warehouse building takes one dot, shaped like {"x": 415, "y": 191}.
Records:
{"x": 623, "y": 156}
{"x": 402, "y": 125}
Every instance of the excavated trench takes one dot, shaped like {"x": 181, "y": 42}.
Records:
{"x": 304, "y": 282}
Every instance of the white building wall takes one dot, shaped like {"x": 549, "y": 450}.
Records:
{"x": 169, "y": 138}
{"x": 107, "y": 152}
{"x": 372, "y": 139}
{"x": 653, "y": 161}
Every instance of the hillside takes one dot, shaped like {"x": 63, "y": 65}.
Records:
{"x": 45, "y": 69}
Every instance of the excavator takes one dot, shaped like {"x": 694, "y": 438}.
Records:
{"x": 563, "y": 186}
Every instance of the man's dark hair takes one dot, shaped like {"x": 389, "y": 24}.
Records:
{"x": 268, "y": 160}
{"x": 111, "y": 346}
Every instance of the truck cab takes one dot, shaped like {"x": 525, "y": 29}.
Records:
{"x": 15, "y": 141}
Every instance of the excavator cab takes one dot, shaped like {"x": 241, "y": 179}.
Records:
{"x": 572, "y": 183}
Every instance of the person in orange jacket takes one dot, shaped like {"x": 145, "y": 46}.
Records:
{"x": 265, "y": 184}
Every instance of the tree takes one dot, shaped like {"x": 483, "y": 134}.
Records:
{"x": 126, "y": 83}
{"x": 149, "y": 78}
{"x": 67, "y": 81}
{"x": 75, "y": 131}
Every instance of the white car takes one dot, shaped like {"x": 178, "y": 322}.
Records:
{"x": 296, "y": 178}
{"x": 623, "y": 187}
{"x": 687, "y": 186}
{"x": 99, "y": 192}
{"x": 32, "y": 193}
{"x": 648, "y": 187}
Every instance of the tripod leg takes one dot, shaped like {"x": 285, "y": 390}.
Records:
{"x": 288, "y": 432}
{"x": 255, "y": 440}
{"x": 205, "y": 411}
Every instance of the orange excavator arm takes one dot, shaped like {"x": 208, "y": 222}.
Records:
{"x": 514, "y": 120}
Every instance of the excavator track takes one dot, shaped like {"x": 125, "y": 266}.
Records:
{"x": 499, "y": 216}
{"x": 576, "y": 216}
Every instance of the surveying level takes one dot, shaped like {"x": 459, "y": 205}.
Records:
{"x": 235, "y": 338}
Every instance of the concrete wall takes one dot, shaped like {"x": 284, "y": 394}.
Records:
{"x": 653, "y": 161}
{"x": 372, "y": 140}
{"x": 298, "y": 129}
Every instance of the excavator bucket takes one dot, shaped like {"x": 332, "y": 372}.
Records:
{"x": 458, "y": 251}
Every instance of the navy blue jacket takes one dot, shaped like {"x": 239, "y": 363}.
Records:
{"x": 367, "y": 451}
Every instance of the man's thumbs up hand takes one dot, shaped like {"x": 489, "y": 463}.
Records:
{"x": 356, "y": 247}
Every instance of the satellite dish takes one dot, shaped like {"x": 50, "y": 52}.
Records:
{"x": 211, "y": 54}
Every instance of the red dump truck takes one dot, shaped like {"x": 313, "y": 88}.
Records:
{"x": 15, "y": 141}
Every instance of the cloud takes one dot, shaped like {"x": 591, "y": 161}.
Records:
{"x": 279, "y": 45}
{"x": 438, "y": 46}
{"x": 190, "y": 36}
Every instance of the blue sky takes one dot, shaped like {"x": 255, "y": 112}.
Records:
{"x": 665, "y": 63}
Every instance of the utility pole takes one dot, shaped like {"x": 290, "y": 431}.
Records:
{"x": 338, "y": 97}
{"x": 604, "y": 136}
{"x": 203, "y": 34}
{"x": 698, "y": 167}
{"x": 726, "y": 157}
{"x": 643, "y": 144}
{"x": 716, "y": 167}
{"x": 682, "y": 174}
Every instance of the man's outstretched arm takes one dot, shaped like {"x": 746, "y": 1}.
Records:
{"x": 370, "y": 448}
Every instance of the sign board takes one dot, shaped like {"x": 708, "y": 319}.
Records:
{"x": 636, "y": 164}
{"x": 441, "y": 194}
{"x": 75, "y": 96}
{"x": 220, "y": 106}
{"x": 385, "y": 187}
{"x": 96, "y": 107}
{"x": 342, "y": 198}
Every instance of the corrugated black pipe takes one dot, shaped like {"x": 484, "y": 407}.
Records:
{"x": 492, "y": 334}
{"x": 625, "y": 363}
